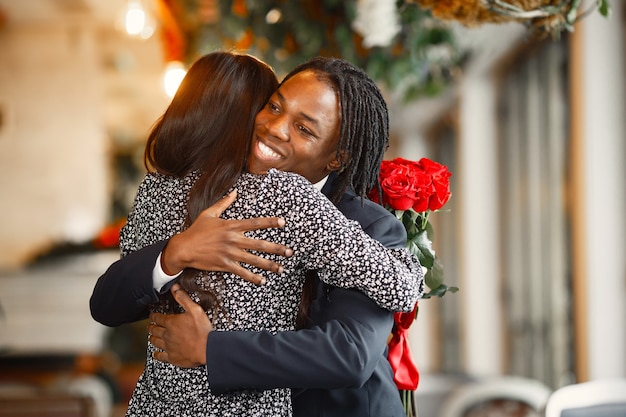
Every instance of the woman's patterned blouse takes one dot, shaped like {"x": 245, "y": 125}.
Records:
{"x": 322, "y": 239}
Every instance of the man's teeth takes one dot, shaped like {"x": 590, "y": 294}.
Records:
{"x": 265, "y": 150}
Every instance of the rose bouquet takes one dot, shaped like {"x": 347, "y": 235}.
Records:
{"x": 412, "y": 190}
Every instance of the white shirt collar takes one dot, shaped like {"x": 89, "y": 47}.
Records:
{"x": 321, "y": 183}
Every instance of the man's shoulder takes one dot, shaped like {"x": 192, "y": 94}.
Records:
{"x": 354, "y": 207}
{"x": 375, "y": 220}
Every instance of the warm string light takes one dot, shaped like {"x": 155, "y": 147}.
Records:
{"x": 174, "y": 74}
{"x": 138, "y": 21}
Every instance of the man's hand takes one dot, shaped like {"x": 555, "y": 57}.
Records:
{"x": 181, "y": 337}
{"x": 214, "y": 244}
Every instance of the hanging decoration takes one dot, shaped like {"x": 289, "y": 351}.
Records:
{"x": 541, "y": 16}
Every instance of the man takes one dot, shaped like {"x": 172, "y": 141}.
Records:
{"x": 337, "y": 365}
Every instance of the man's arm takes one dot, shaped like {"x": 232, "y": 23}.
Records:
{"x": 341, "y": 351}
{"x": 124, "y": 292}
{"x": 337, "y": 353}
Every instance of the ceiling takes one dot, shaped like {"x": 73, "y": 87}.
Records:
{"x": 45, "y": 11}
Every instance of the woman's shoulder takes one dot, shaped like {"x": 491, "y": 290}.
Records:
{"x": 159, "y": 180}
{"x": 294, "y": 190}
{"x": 157, "y": 186}
{"x": 288, "y": 180}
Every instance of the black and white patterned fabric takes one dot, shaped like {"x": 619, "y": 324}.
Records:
{"x": 321, "y": 238}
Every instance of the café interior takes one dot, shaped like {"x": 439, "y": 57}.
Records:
{"x": 527, "y": 312}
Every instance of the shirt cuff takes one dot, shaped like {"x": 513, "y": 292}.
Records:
{"x": 159, "y": 277}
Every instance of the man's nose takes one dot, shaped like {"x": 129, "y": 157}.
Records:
{"x": 279, "y": 128}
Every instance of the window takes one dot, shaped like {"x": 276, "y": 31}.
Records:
{"x": 533, "y": 152}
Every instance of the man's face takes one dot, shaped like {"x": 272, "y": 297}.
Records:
{"x": 298, "y": 129}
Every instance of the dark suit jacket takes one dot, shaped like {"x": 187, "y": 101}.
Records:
{"x": 336, "y": 367}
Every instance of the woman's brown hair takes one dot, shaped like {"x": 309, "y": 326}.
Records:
{"x": 208, "y": 127}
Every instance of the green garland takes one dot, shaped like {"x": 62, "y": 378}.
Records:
{"x": 422, "y": 58}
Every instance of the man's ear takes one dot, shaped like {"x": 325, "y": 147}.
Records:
{"x": 338, "y": 163}
{"x": 333, "y": 165}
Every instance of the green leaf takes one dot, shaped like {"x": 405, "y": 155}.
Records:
{"x": 421, "y": 247}
{"x": 410, "y": 224}
{"x": 604, "y": 7}
{"x": 434, "y": 277}
{"x": 424, "y": 243}
{"x": 434, "y": 281}
{"x": 430, "y": 232}
{"x": 440, "y": 291}
{"x": 425, "y": 261}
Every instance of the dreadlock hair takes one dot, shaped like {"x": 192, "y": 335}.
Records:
{"x": 364, "y": 134}
{"x": 208, "y": 128}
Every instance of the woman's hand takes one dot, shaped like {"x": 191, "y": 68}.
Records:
{"x": 214, "y": 244}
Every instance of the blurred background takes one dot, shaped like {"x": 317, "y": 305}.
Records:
{"x": 527, "y": 113}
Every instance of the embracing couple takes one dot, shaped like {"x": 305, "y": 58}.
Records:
{"x": 269, "y": 278}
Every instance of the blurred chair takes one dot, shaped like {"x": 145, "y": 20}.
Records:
{"x": 504, "y": 396}
{"x": 39, "y": 404}
{"x": 84, "y": 396}
{"x": 599, "y": 398}
{"x": 88, "y": 386}
{"x": 434, "y": 389}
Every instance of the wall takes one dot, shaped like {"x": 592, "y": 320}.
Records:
{"x": 52, "y": 170}
{"x": 604, "y": 191}
{"x": 69, "y": 93}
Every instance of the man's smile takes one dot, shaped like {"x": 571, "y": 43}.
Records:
{"x": 265, "y": 152}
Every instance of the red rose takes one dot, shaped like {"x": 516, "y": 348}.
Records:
{"x": 422, "y": 185}
{"x": 399, "y": 193}
{"x": 441, "y": 195}
{"x": 398, "y": 186}
{"x": 440, "y": 178}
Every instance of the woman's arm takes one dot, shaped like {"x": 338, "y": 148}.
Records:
{"x": 341, "y": 252}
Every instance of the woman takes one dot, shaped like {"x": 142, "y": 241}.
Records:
{"x": 321, "y": 237}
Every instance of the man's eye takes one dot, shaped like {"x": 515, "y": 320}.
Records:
{"x": 304, "y": 130}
